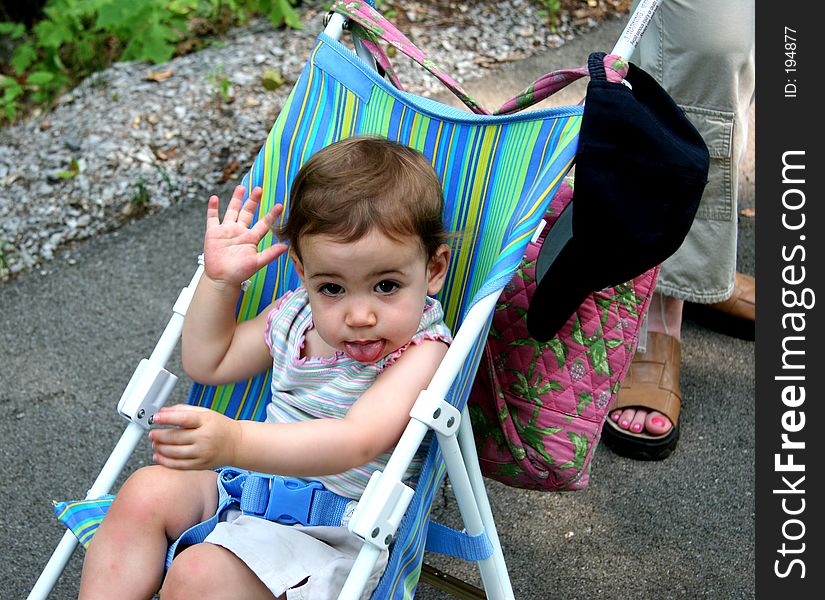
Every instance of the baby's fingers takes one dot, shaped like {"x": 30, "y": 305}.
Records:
{"x": 172, "y": 437}
{"x": 179, "y": 415}
{"x": 182, "y": 464}
{"x": 174, "y": 451}
{"x": 212, "y": 215}
{"x": 270, "y": 253}
{"x": 250, "y": 206}
{"x": 234, "y": 207}
{"x": 265, "y": 223}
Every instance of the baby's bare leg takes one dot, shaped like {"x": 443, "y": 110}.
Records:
{"x": 126, "y": 557}
{"x": 210, "y": 571}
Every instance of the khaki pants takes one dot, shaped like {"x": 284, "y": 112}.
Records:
{"x": 702, "y": 53}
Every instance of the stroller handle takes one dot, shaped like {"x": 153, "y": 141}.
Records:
{"x": 636, "y": 25}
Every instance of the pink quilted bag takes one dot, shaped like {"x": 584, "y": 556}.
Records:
{"x": 537, "y": 409}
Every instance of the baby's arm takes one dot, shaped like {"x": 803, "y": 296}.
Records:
{"x": 373, "y": 425}
{"x": 214, "y": 348}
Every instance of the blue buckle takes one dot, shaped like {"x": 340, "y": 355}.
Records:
{"x": 290, "y": 500}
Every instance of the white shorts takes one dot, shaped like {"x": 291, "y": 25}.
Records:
{"x": 283, "y": 556}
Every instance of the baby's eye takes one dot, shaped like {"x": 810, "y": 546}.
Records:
{"x": 386, "y": 287}
{"x": 331, "y": 289}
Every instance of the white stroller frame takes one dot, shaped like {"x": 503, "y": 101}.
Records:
{"x": 386, "y": 498}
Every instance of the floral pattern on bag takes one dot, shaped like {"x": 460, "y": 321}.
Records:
{"x": 537, "y": 408}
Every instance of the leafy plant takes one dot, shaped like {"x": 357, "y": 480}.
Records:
{"x": 550, "y": 11}
{"x": 5, "y": 247}
{"x": 72, "y": 171}
{"x": 280, "y": 12}
{"x": 386, "y": 8}
{"x": 75, "y": 38}
{"x": 221, "y": 83}
{"x": 140, "y": 199}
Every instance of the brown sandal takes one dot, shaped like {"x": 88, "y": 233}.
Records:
{"x": 735, "y": 316}
{"x": 652, "y": 383}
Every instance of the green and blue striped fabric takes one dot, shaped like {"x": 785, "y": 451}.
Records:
{"x": 499, "y": 174}
{"x": 83, "y": 516}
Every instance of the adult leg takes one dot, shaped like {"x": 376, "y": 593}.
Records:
{"x": 664, "y": 317}
{"x": 701, "y": 52}
{"x": 127, "y": 554}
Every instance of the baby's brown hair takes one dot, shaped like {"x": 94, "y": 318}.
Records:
{"x": 352, "y": 186}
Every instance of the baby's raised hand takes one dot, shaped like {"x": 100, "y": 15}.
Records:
{"x": 230, "y": 247}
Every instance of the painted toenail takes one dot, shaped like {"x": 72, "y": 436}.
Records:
{"x": 636, "y": 427}
{"x": 624, "y": 424}
{"x": 615, "y": 416}
{"x": 658, "y": 421}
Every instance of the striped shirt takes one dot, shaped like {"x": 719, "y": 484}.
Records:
{"x": 306, "y": 388}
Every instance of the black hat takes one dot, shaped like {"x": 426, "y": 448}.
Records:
{"x": 641, "y": 168}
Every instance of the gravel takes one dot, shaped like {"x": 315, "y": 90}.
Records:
{"x": 137, "y": 138}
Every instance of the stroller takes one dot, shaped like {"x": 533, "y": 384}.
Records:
{"x": 499, "y": 175}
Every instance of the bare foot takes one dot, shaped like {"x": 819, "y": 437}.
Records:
{"x": 664, "y": 316}
{"x": 638, "y": 420}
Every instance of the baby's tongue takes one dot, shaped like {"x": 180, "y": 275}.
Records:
{"x": 365, "y": 352}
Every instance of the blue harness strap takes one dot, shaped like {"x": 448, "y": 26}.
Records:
{"x": 272, "y": 497}
{"x": 445, "y": 540}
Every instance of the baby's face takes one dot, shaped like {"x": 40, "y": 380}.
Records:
{"x": 366, "y": 296}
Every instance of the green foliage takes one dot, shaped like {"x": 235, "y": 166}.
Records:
{"x": 72, "y": 171}
{"x": 550, "y": 10}
{"x": 280, "y": 12}
{"x": 140, "y": 199}
{"x": 386, "y": 8}
{"x": 5, "y": 248}
{"x": 75, "y": 38}
{"x": 220, "y": 82}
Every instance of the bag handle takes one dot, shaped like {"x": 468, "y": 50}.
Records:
{"x": 613, "y": 68}
{"x": 371, "y": 26}
{"x": 615, "y": 64}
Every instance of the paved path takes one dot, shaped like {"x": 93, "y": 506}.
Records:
{"x": 71, "y": 337}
